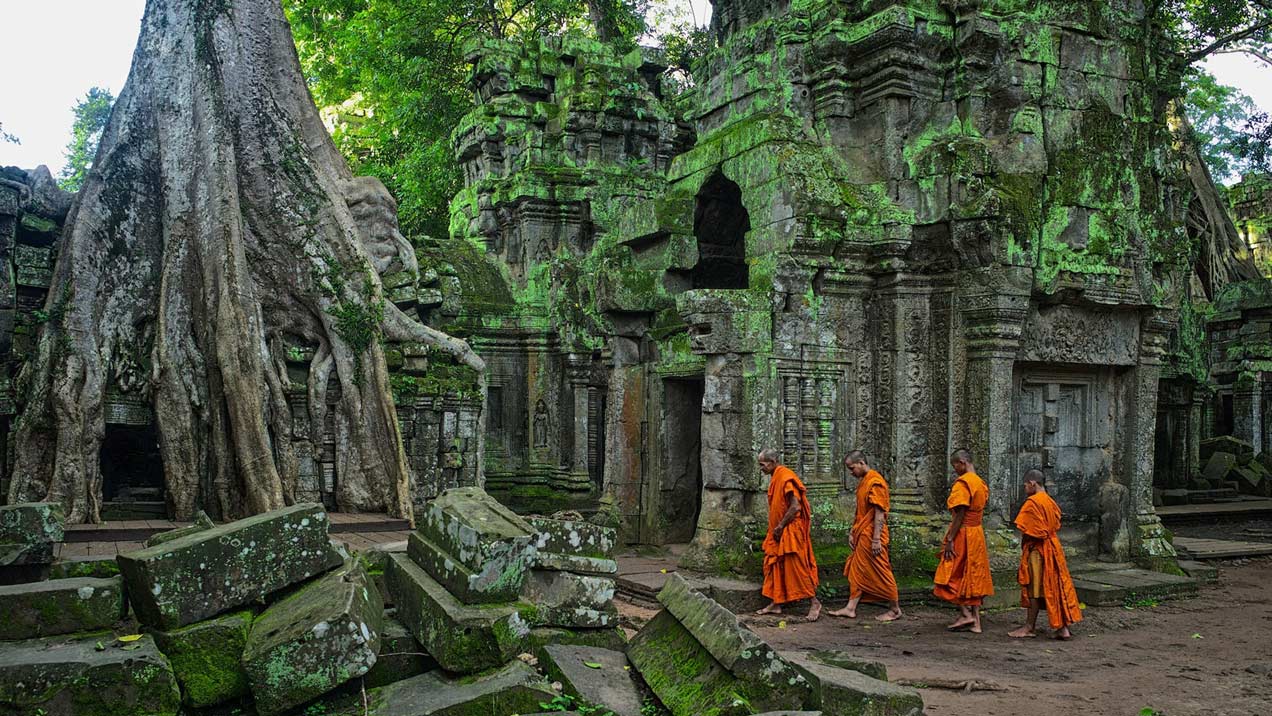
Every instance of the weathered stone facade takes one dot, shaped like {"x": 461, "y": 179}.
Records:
{"x": 904, "y": 228}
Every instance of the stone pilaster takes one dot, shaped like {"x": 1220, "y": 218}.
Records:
{"x": 1151, "y": 545}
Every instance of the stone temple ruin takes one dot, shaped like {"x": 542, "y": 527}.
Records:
{"x": 902, "y": 227}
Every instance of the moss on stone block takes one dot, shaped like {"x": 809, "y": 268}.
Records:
{"x": 206, "y": 658}
{"x": 511, "y": 689}
{"x": 60, "y": 606}
{"x": 401, "y": 656}
{"x": 89, "y": 676}
{"x": 99, "y": 567}
{"x": 28, "y": 531}
{"x": 683, "y": 674}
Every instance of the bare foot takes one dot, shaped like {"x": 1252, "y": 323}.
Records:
{"x": 961, "y": 623}
{"x": 889, "y": 616}
{"x": 845, "y": 612}
{"x": 976, "y": 628}
{"x": 770, "y": 609}
{"x": 814, "y": 612}
{"x": 1062, "y": 634}
{"x": 1022, "y": 633}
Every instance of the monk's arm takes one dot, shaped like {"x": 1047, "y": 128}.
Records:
{"x": 876, "y": 541}
{"x": 955, "y": 525}
{"x": 792, "y": 509}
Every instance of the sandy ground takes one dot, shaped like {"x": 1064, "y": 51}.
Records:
{"x": 1210, "y": 655}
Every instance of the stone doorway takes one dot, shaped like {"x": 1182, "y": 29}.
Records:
{"x": 132, "y": 473}
{"x": 1064, "y": 427}
{"x": 720, "y": 223}
{"x": 671, "y": 507}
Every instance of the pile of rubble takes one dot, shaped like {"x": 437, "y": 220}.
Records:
{"x": 487, "y": 613}
{"x": 1230, "y": 467}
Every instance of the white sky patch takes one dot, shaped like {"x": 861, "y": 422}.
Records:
{"x": 67, "y": 46}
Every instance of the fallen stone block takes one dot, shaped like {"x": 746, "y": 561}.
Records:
{"x": 207, "y": 658}
{"x": 608, "y": 638}
{"x": 462, "y": 638}
{"x": 684, "y": 676}
{"x": 578, "y": 565}
{"x": 475, "y": 547}
{"x": 1241, "y": 449}
{"x": 1218, "y": 467}
{"x": 512, "y": 689}
{"x": 573, "y": 537}
{"x": 314, "y": 640}
{"x": 28, "y": 532}
{"x": 212, "y": 571}
{"x": 844, "y": 692}
{"x": 100, "y": 567}
{"x": 844, "y": 660}
{"x": 401, "y": 656}
{"x": 600, "y": 677}
{"x": 60, "y": 677}
{"x": 570, "y": 600}
{"x": 60, "y": 606}
{"x": 201, "y": 522}
{"x": 736, "y": 647}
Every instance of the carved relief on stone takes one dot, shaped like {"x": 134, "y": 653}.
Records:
{"x": 541, "y": 424}
{"x": 1068, "y": 334}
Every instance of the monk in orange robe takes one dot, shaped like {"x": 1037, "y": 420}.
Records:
{"x": 790, "y": 570}
{"x": 869, "y": 570}
{"x": 1044, "y": 573}
{"x": 963, "y": 576}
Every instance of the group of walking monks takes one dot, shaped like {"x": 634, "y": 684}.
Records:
{"x": 962, "y": 574}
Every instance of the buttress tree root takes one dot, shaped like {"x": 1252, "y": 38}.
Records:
{"x": 214, "y": 230}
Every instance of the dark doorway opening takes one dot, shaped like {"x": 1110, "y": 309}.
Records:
{"x": 720, "y": 223}
{"x": 680, "y": 485}
{"x": 132, "y": 472}
{"x": 1225, "y": 420}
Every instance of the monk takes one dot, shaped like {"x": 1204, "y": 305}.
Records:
{"x": 790, "y": 570}
{"x": 963, "y": 577}
{"x": 1044, "y": 573}
{"x": 869, "y": 571}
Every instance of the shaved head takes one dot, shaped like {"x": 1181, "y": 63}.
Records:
{"x": 1036, "y": 476}
{"x": 961, "y": 456}
{"x": 769, "y": 455}
{"x": 854, "y": 457}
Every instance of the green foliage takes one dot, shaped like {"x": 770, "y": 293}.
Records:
{"x": 392, "y": 81}
{"x": 1134, "y": 601}
{"x": 1218, "y": 113}
{"x": 565, "y": 702}
{"x": 1206, "y": 27}
{"x": 91, "y": 115}
{"x": 6, "y": 137}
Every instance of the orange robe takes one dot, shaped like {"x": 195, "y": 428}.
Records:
{"x": 965, "y": 580}
{"x": 790, "y": 570}
{"x": 1039, "y": 520}
{"x": 869, "y": 577}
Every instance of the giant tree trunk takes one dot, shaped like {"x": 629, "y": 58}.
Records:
{"x": 213, "y": 230}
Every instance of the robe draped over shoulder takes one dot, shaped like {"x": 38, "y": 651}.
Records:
{"x": 790, "y": 569}
{"x": 1039, "y": 521}
{"x": 966, "y": 579}
{"x": 870, "y": 578}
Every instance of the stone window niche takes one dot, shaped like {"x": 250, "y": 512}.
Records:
{"x": 720, "y": 223}
{"x": 132, "y": 471}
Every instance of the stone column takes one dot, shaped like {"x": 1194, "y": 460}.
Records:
{"x": 993, "y": 315}
{"x": 1247, "y": 410}
{"x": 1151, "y": 546}
{"x": 577, "y": 372}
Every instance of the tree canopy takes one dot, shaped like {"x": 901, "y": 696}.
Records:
{"x": 91, "y": 114}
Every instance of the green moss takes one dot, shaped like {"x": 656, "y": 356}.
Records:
{"x": 206, "y": 658}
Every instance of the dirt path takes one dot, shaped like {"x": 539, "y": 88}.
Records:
{"x": 1180, "y": 657}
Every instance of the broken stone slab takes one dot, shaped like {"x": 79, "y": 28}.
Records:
{"x": 206, "y": 658}
{"x": 313, "y": 640}
{"x": 74, "y": 677}
{"x": 513, "y": 689}
{"x": 685, "y": 677}
{"x": 599, "y": 677}
{"x": 1218, "y": 467}
{"x": 462, "y": 638}
{"x": 610, "y": 638}
{"x": 736, "y": 647}
{"x": 60, "y": 606}
{"x": 212, "y": 571}
{"x": 201, "y": 522}
{"x": 1241, "y": 449}
{"x": 573, "y": 537}
{"x": 477, "y": 548}
{"x": 28, "y": 531}
{"x": 844, "y": 692}
{"x": 570, "y": 600}
{"x": 571, "y": 563}
{"x": 844, "y": 660}
{"x": 401, "y": 656}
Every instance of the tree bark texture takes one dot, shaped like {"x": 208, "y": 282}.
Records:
{"x": 214, "y": 229}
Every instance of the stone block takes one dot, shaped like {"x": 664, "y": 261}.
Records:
{"x": 579, "y": 565}
{"x": 1250, "y": 478}
{"x": 570, "y": 600}
{"x": 462, "y": 638}
{"x": 512, "y": 689}
{"x": 473, "y": 545}
{"x": 312, "y": 641}
{"x": 1243, "y": 450}
{"x": 206, "y": 658}
{"x": 60, "y": 606}
{"x": 844, "y": 692}
{"x": 683, "y": 674}
{"x": 736, "y": 647}
{"x": 57, "y": 677}
{"x": 28, "y": 531}
{"x": 613, "y": 638}
{"x": 212, "y": 571}
{"x": 401, "y": 656}
{"x": 201, "y": 522}
{"x": 573, "y": 537}
{"x": 600, "y": 677}
{"x": 1218, "y": 467}
{"x": 844, "y": 660}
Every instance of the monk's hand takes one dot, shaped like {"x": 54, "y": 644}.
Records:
{"x": 777, "y": 533}
{"x": 876, "y": 547}
{"x": 949, "y": 551}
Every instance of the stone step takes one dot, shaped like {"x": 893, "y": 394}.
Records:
{"x": 1118, "y": 587}
{"x": 140, "y": 530}
{"x": 600, "y": 677}
{"x": 60, "y": 606}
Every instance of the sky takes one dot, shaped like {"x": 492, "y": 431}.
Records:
{"x": 95, "y": 41}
